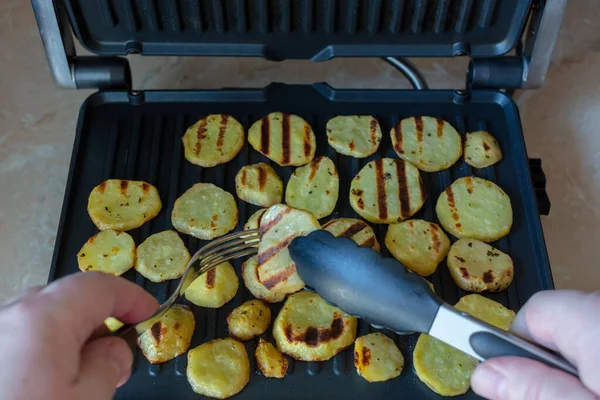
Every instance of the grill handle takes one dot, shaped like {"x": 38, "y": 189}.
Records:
{"x": 538, "y": 178}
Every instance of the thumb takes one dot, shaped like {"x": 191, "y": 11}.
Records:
{"x": 105, "y": 365}
{"x": 517, "y": 378}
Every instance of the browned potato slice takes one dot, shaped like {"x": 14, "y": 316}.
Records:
{"x": 162, "y": 256}
{"x": 250, "y": 319}
{"x": 123, "y": 205}
{"x": 254, "y": 220}
{"x": 430, "y": 144}
{"x": 259, "y": 184}
{"x": 387, "y": 191}
{"x": 284, "y": 138}
{"x": 314, "y": 187}
{"x": 214, "y": 288}
{"x": 219, "y": 368}
{"x": 270, "y": 361}
{"x": 481, "y": 149}
{"x": 377, "y": 358}
{"x": 355, "y": 229}
{"x": 215, "y": 139}
{"x": 475, "y": 208}
{"x": 258, "y": 290}
{"x": 309, "y": 329}
{"x": 278, "y": 227}
{"x": 419, "y": 245}
{"x": 205, "y": 211}
{"x": 109, "y": 251}
{"x": 354, "y": 135}
{"x": 170, "y": 336}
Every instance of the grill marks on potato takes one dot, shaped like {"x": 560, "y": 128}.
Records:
{"x": 359, "y": 231}
{"x": 258, "y": 290}
{"x": 214, "y": 140}
{"x": 200, "y": 135}
{"x": 259, "y": 184}
{"x": 387, "y": 191}
{"x": 313, "y": 336}
{"x": 354, "y": 135}
{"x": 284, "y": 138}
{"x": 481, "y": 149}
{"x": 377, "y": 358}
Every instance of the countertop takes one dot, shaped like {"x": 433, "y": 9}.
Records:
{"x": 37, "y": 127}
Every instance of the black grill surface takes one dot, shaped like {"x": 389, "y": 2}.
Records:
{"x": 139, "y": 137}
{"x": 301, "y": 29}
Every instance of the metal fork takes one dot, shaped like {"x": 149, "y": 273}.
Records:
{"x": 229, "y": 247}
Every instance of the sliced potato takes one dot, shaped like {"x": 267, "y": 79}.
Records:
{"x": 258, "y": 290}
{"x": 215, "y": 139}
{"x": 205, "y": 211}
{"x": 430, "y": 144}
{"x": 250, "y": 319}
{"x": 314, "y": 187}
{"x": 355, "y": 229}
{"x": 214, "y": 288}
{"x": 170, "y": 336}
{"x": 254, "y": 220}
{"x": 354, "y": 135}
{"x": 475, "y": 208}
{"x": 123, "y": 205}
{"x": 446, "y": 370}
{"x": 259, "y": 184}
{"x": 270, "y": 361}
{"x": 309, "y": 329}
{"x": 113, "y": 324}
{"x": 219, "y": 368}
{"x": 162, "y": 256}
{"x": 419, "y": 245}
{"x": 377, "y": 358}
{"x": 481, "y": 149}
{"x": 279, "y": 225}
{"x": 109, "y": 251}
{"x": 387, "y": 191}
{"x": 284, "y": 138}
{"x": 476, "y": 266}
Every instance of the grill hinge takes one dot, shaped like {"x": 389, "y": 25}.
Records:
{"x": 69, "y": 70}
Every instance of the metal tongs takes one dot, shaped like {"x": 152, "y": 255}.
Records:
{"x": 381, "y": 291}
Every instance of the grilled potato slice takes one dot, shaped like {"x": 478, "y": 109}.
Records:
{"x": 430, "y": 144}
{"x": 309, "y": 329}
{"x": 205, "y": 211}
{"x": 284, "y": 138}
{"x": 444, "y": 369}
{"x": 219, "y": 368}
{"x": 113, "y": 324}
{"x": 355, "y": 229}
{"x": 419, "y": 245}
{"x": 475, "y": 208}
{"x": 387, "y": 191}
{"x": 259, "y": 184}
{"x": 377, "y": 358}
{"x": 162, "y": 256}
{"x": 214, "y": 288}
{"x": 123, "y": 205}
{"x": 481, "y": 149}
{"x": 258, "y": 290}
{"x": 109, "y": 251}
{"x": 170, "y": 336}
{"x": 215, "y": 139}
{"x": 476, "y": 266}
{"x": 314, "y": 187}
{"x": 254, "y": 220}
{"x": 279, "y": 225}
{"x": 270, "y": 361}
{"x": 354, "y": 135}
{"x": 250, "y": 319}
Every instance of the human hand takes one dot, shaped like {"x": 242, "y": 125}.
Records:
{"x": 47, "y": 344}
{"x": 564, "y": 321}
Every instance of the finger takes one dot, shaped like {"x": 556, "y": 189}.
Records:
{"x": 84, "y": 300}
{"x": 105, "y": 365}
{"x": 516, "y": 378}
{"x": 566, "y": 321}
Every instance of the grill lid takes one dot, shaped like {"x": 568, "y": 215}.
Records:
{"x": 299, "y": 29}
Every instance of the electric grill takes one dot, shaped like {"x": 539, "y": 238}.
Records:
{"x": 128, "y": 134}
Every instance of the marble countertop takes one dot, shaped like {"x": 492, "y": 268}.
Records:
{"x": 37, "y": 127}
